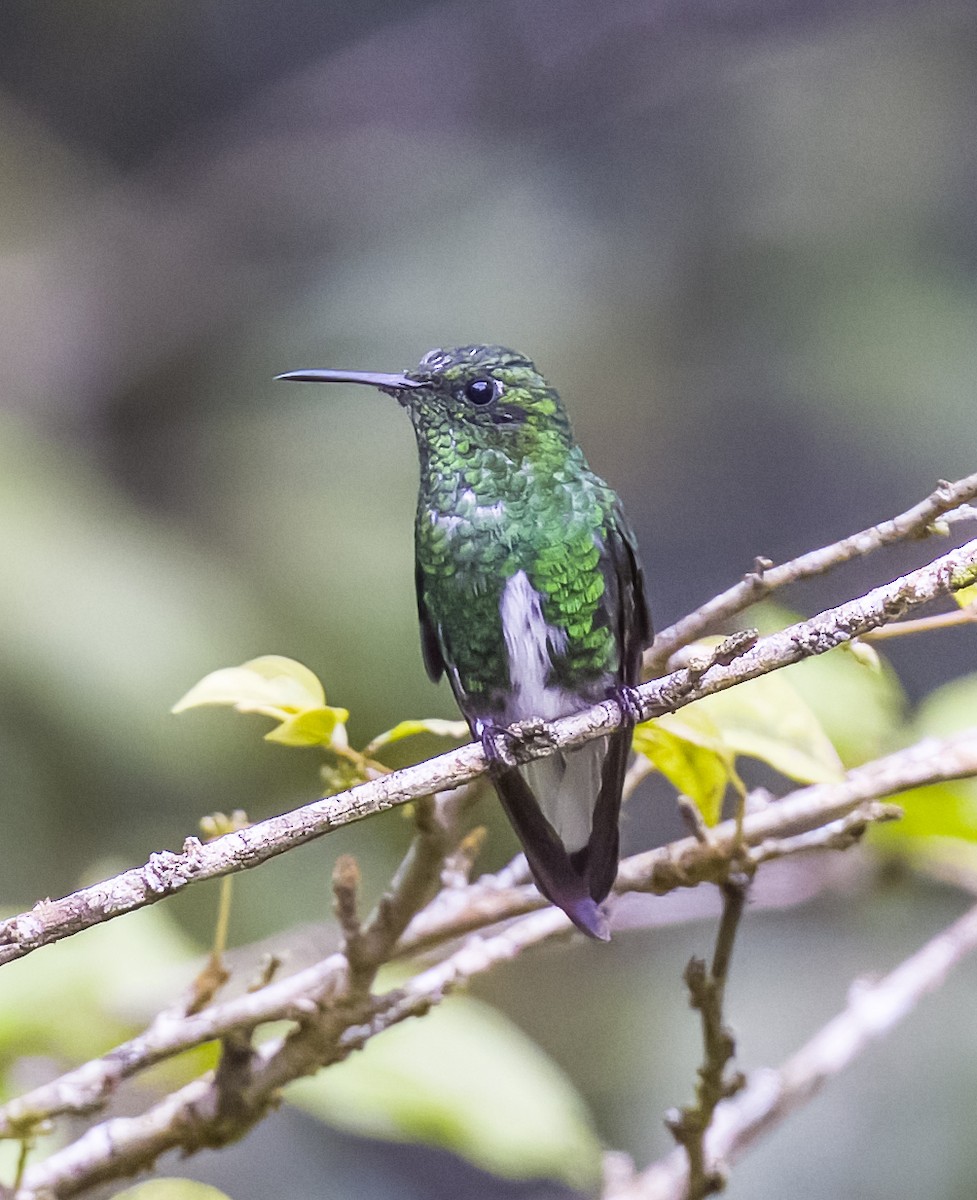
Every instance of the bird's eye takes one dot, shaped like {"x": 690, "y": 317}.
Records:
{"x": 482, "y": 391}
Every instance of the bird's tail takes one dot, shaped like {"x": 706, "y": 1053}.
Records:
{"x": 576, "y": 881}
{"x": 555, "y": 874}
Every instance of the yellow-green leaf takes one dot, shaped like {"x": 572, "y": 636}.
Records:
{"x": 766, "y": 718}
{"x": 861, "y": 711}
{"x": 117, "y": 977}
{"x": 951, "y": 708}
{"x": 694, "y": 724}
{"x": 273, "y": 685}
{"x": 314, "y": 727}
{"x": 276, "y": 687}
{"x": 944, "y": 810}
{"x": 966, "y": 596}
{"x": 464, "y": 1078}
{"x": 406, "y": 729}
{"x": 691, "y": 759}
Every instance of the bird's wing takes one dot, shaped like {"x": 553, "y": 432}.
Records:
{"x": 430, "y": 642}
{"x": 600, "y": 855}
{"x": 627, "y": 586}
{"x": 629, "y": 615}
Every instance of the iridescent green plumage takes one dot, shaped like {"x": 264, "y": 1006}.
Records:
{"x": 497, "y": 497}
{"x": 529, "y": 595}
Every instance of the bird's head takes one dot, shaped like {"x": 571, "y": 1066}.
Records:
{"x": 494, "y": 394}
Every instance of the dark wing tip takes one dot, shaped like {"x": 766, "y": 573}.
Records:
{"x": 588, "y": 918}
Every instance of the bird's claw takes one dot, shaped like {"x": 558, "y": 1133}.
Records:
{"x": 506, "y": 747}
{"x": 630, "y": 704}
{"x": 498, "y": 745}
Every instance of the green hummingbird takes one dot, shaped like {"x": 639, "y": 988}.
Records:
{"x": 530, "y": 597}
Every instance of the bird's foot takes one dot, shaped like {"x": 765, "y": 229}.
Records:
{"x": 498, "y": 745}
{"x": 630, "y": 704}
{"x": 505, "y": 747}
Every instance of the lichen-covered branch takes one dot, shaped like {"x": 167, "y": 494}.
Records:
{"x": 333, "y": 1012}
{"x": 168, "y": 872}
{"x": 464, "y": 927}
{"x": 874, "y": 1010}
{"x": 765, "y": 577}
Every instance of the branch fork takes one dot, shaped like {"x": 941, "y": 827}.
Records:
{"x": 466, "y": 928}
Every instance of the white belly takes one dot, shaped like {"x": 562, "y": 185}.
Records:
{"x": 530, "y": 644}
{"x": 565, "y": 785}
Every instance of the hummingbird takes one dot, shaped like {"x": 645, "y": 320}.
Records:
{"x": 530, "y": 597}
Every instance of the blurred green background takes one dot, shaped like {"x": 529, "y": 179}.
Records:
{"x": 740, "y": 238}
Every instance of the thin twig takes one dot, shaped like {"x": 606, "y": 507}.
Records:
{"x": 168, "y": 872}
{"x": 198, "y": 1115}
{"x": 416, "y": 881}
{"x": 949, "y": 620}
{"x": 331, "y": 1006}
{"x": 766, "y": 578}
{"x": 688, "y": 862}
{"x": 707, "y": 990}
{"x": 825, "y": 817}
{"x": 768, "y": 833}
{"x": 770, "y": 1096}
{"x": 837, "y": 835}
{"x": 190, "y": 1119}
{"x": 346, "y": 902}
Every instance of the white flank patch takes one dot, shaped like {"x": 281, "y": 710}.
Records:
{"x": 565, "y": 785}
{"x": 529, "y": 642}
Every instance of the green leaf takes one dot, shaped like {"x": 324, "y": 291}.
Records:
{"x": 860, "y": 707}
{"x": 466, "y": 1079}
{"x": 768, "y": 719}
{"x": 276, "y": 687}
{"x": 966, "y": 596}
{"x": 951, "y": 708}
{"x": 85, "y": 994}
{"x": 690, "y": 758}
{"x": 314, "y": 727}
{"x": 172, "y": 1189}
{"x": 944, "y": 810}
{"x": 406, "y": 729}
{"x": 862, "y": 710}
{"x": 765, "y": 718}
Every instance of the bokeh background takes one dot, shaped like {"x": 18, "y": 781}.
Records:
{"x": 739, "y": 237}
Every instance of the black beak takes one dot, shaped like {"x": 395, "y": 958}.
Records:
{"x": 388, "y": 383}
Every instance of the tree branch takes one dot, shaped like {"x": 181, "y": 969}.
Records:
{"x": 333, "y": 1014}
{"x": 168, "y": 872}
{"x": 947, "y": 620}
{"x": 766, "y": 578}
{"x": 873, "y": 1010}
{"x": 707, "y": 990}
{"x": 331, "y": 1006}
